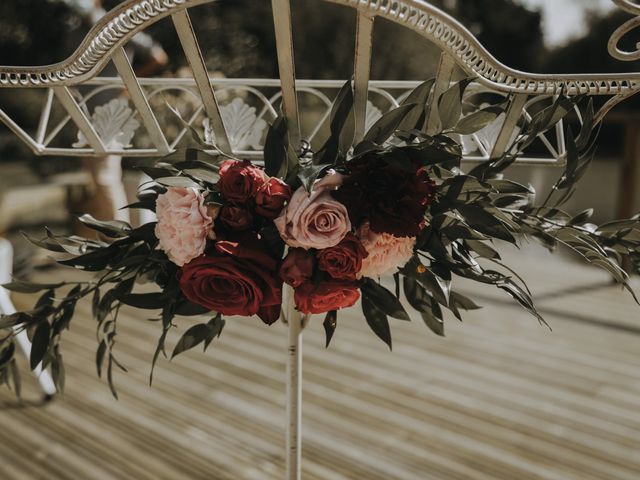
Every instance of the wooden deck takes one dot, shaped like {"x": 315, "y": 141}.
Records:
{"x": 499, "y": 398}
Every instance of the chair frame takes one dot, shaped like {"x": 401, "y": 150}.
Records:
{"x": 459, "y": 48}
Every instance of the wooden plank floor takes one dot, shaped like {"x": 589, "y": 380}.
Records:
{"x": 499, "y": 398}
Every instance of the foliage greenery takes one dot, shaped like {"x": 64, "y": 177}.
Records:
{"x": 470, "y": 212}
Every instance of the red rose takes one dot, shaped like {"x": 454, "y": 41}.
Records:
{"x": 272, "y": 197}
{"x": 239, "y": 180}
{"x": 235, "y": 218}
{"x": 238, "y": 278}
{"x": 392, "y": 196}
{"x": 344, "y": 260}
{"x": 297, "y": 267}
{"x": 325, "y": 296}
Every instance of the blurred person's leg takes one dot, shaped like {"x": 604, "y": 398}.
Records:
{"x": 107, "y": 193}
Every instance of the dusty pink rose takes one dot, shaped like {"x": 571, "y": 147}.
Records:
{"x": 315, "y": 220}
{"x": 386, "y": 252}
{"x": 184, "y": 224}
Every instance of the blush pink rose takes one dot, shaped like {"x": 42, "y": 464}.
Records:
{"x": 314, "y": 220}
{"x": 184, "y": 224}
{"x": 386, "y": 252}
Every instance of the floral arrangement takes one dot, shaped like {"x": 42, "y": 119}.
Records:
{"x": 232, "y": 235}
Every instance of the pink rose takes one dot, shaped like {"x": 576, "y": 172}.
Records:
{"x": 386, "y": 252}
{"x": 184, "y": 224}
{"x": 314, "y": 220}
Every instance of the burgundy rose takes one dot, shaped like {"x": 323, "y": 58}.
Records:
{"x": 325, "y": 296}
{"x": 392, "y": 196}
{"x": 271, "y": 197}
{"x": 235, "y": 218}
{"x": 297, "y": 266}
{"x": 239, "y": 180}
{"x": 343, "y": 261}
{"x": 238, "y": 278}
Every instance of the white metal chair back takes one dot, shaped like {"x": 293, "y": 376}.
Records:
{"x": 239, "y": 129}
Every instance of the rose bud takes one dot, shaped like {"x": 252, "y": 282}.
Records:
{"x": 344, "y": 260}
{"x": 297, "y": 267}
{"x": 239, "y": 180}
{"x": 272, "y": 197}
{"x": 325, "y": 296}
{"x": 235, "y": 218}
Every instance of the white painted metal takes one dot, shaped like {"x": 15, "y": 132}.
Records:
{"x": 125, "y": 70}
{"x": 78, "y": 116}
{"x": 362, "y": 70}
{"x": 286, "y": 67}
{"x": 294, "y": 393}
{"x": 443, "y": 80}
{"x": 513, "y": 113}
{"x": 192, "y": 51}
{"x": 458, "y": 46}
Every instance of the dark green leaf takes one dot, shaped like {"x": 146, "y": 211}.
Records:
{"x": 275, "y": 151}
{"x": 383, "y": 299}
{"x": 102, "y": 349}
{"x": 478, "y": 120}
{"x": 20, "y": 286}
{"x": 388, "y": 123}
{"x": 112, "y": 228}
{"x": 40, "y": 344}
{"x": 150, "y": 301}
{"x": 377, "y": 321}
{"x": 419, "y": 97}
{"x": 329, "y": 324}
{"x": 450, "y": 104}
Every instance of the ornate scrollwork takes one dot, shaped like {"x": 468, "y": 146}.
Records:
{"x": 625, "y": 28}
{"x": 430, "y": 22}
{"x": 114, "y": 123}
{"x": 244, "y": 129}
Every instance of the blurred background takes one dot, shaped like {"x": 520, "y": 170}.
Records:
{"x": 500, "y": 397}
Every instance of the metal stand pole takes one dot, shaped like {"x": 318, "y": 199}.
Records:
{"x": 294, "y": 390}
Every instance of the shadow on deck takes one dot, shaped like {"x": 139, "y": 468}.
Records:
{"x": 499, "y": 398}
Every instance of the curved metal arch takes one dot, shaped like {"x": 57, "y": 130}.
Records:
{"x": 119, "y": 25}
{"x": 456, "y": 40}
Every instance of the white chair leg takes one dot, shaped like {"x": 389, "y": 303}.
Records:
{"x": 6, "y": 307}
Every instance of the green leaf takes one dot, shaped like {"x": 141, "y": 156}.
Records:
{"x": 39, "y": 344}
{"x": 102, "y": 349}
{"x": 275, "y": 151}
{"x": 388, "y": 123}
{"x": 112, "y": 228}
{"x": 329, "y": 324}
{"x": 197, "y": 334}
{"x": 478, "y": 120}
{"x": 191, "y": 338}
{"x": 458, "y": 302}
{"x": 58, "y": 373}
{"x": 377, "y": 320}
{"x": 384, "y": 300}
{"x": 433, "y": 319}
{"x": 416, "y": 295}
{"x": 450, "y": 104}
{"x": 149, "y": 301}
{"x": 341, "y": 126}
{"x": 20, "y": 286}
{"x": 418, "y": 96}
{"x": 437, "y": 286}
{"x": 482, "y": 248}
{"x": 178, "y": 182}
{"x": 216, "y": 324}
